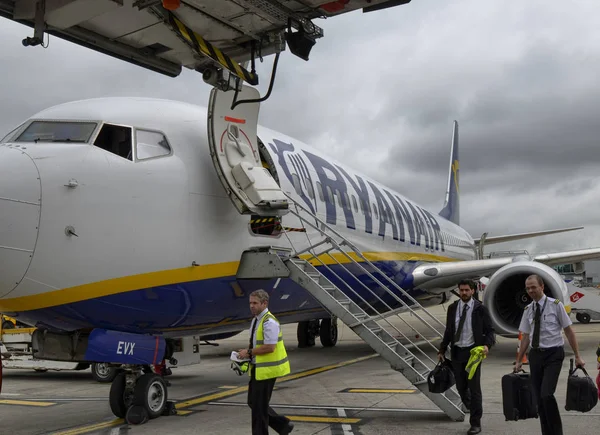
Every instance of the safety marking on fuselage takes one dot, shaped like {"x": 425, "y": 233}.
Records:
{"x": 380, "y": 390}
{"x": 213, "y": 396}
{"x": 26, "y": 403}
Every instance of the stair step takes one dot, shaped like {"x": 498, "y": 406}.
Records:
{"x": 392, "y": 350}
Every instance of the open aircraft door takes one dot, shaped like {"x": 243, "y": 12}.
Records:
{"x": 232, "y": 138}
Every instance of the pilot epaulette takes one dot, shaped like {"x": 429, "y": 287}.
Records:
{"x": 556, "y": 301}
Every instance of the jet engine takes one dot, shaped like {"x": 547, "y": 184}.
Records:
{"x": 506, "y": 298}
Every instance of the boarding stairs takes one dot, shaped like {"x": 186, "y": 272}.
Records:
{"x": 370, "y": 323}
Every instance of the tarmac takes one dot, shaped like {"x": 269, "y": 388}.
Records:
{"x": 344, "y": 390}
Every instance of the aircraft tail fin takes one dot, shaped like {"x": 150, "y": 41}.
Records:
{"x": 451, "y": 209}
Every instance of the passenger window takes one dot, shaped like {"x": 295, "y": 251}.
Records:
{"x": 354, "y": 204}
{"x": 115, "y": 139}
{"x": 375, "y": 211}
{"x": 320, "y": 191}
{"x": 330, "y": 198}
{"x": 311, "y": 190}
{"x": 339, "y": 198}
{"x": 150, "y": 144}
{"x": 362, "y": 206}
{"x": 296, "y": 183}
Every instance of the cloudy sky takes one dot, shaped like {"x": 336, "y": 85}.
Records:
{"x": 380, "y": 92}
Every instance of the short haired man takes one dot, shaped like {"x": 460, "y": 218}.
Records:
{"x": 268, "y": 362}
{"x": 468, "y": 325}
{"x": 543, "y": 320}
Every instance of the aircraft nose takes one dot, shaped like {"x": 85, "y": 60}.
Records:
{"x": 20, "y": 205}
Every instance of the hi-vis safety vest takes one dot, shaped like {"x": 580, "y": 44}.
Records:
{"x": 274, "y": 364}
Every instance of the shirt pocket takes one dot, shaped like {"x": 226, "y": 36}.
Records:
{"x": 551, "y": 319}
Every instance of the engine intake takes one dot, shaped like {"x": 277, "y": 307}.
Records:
{"x": 506, "y": 298}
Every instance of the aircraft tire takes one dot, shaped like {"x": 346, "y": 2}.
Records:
{"x": 102, "y": 372}
{"x": 584, "y": 317}
{"x": 305, "y": 334}
{"x": 116, "y": 398}
{"x": 151, "y": 393}
{"x": 328, "y": 332}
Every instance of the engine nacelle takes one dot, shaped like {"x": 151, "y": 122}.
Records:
{"x": 506, "y": 298}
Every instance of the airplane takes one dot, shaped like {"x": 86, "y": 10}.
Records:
{"x": 123, "y": 222}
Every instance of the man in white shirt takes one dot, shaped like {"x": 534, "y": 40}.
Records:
{"x": 544, "y": 320}
{"x": 468, "y": 325}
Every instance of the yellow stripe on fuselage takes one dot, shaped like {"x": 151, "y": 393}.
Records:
{"x": 176, "y": 276}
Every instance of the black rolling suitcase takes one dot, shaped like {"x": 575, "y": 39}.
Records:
{"x": 582, "y": 394}
{"x": 517, "y": 397}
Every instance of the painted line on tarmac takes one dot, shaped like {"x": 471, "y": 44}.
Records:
{"x": 91, "y": 427}
{"x": 343, "y": 428}
{"x": 26, "y": 403}
{"x": 317, "y": 419}
{"x": 334, "y": 407}
{"x": 210, "y": 397}
{"x": 380, "y": 390}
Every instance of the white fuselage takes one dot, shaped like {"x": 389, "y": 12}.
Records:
{"x": 94, "y": 239}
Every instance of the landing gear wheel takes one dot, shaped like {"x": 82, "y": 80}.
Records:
{"x": 151, "y": 394}
{"x": 306, "y": 333}
{"x": 136, "y": 414}
{"x": 102, "y": 372}
{"x": 583, "y": 317}
{"x": 328, "y": 332}
{"x": 117, "y": 400}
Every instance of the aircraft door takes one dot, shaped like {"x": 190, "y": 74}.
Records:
{"x": 232, "y": 138}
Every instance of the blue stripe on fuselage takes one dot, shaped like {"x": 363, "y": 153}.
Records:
{"x": 215, "y": 305}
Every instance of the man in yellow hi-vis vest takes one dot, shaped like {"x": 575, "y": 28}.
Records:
{"x": 269, "y": 361}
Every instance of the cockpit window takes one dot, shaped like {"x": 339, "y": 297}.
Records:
{"x": 57, "y": 131}
{"x": 11, "y": 133}
{"x": 150, "y": 144}
{"x": 115, "y": 139}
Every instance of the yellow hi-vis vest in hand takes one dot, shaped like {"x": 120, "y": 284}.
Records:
{"x": 274, "y": 364}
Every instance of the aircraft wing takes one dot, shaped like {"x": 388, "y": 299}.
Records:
{"x": 444, "y": 275}
{"x": 167, "y": 35}
{"x": 511, "y": 237}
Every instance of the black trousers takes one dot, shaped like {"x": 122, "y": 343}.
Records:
{"x": 545, "y": 366}
{"x": 263, "y": 416}
{"x": 469, "y": 389}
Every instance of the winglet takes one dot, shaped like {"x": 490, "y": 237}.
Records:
{"x": 451, "y": 210}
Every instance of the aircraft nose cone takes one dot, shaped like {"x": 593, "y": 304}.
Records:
{"x": 20, "y": 204}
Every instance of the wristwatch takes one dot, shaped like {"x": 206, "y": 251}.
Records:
{"x": 250, "y": 353}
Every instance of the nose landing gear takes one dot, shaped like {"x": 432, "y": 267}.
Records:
{"x": 138, "y": 395}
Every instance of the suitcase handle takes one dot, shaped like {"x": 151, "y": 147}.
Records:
{"x": 572, "y": 372}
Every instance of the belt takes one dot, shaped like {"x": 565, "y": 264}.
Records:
{"x": 547, "y": 349}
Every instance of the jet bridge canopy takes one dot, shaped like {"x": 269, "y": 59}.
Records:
{"x": 166, "y": 35}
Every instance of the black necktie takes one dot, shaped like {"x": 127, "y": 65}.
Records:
{"x": 252, "y": 332}
{"x": 463, "y": 317}
{"x": 537, "y": 322}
